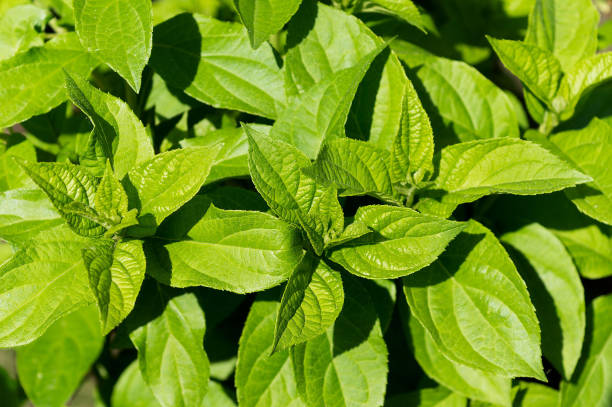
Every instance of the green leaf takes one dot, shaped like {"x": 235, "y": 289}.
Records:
{"x": 582, "y": 77}
{"x": 160, "y": 186}
{"x": 405, "y": 9}
{"x": 24, "y": 213}
{"x": 69, "y": 187}
{"x": 471, "y": 170}
{"x": 476, "y": 307}
{"x": 40, "y": 283}
{"x": 347, "y": 365}
{"x": 468, "y": 103}
{"x": 429, "y": 397}
{"x": 237, "y": 251}
{"x": 13, "y": 176}
{"x": 590, "y": 151}
{"x": 117, "y": 130}
{"x": 591, "y": 384}
{"x": 322, "y": 41}
{"x": 32, "y": 82}
{"x": 401, "y": 242}
{"x": 262, "y": 379}
{"x": 276, "y": 170}
{"x": 111, "y": 201}
{"x": 591, "y": 250}
{"x": 413, "y": 147}
{"x": 537, "y": 68}
{"x": 20, "y": 29}
{"x": 355, "y": 167}
{"x": 264, "y": 18}
{"x": 320, "y": 113}
{"x": 51, "y": 368}
{"x": 116, "y": 272}
{"x": 118, "y": 32}
{"x": 217, "y": 396}
{"x": 218, "y": 65}
{"x": 535, "y": 395}
{"x": 568, "y": 29}
{"x": 171, "y": 354}
{"x": 555, "y": 278}
{"x": 311, "y": 302}
{"x": 460, "y": 378}
{"x": 131, "y": 390}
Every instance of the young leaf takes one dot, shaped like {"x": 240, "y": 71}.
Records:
{"x": 119, "y": 32}
{"x": 32, "y": 82}
{"x": 460, "y": 378}
{"x": 530, "y": 394}
{"x": 117, "y": 130}
{"x": 311, "y": 302}
{"x": 537, "y": 68}
{"x": 20, "y": 28}
{"x": 355, "y": 167}
{"x": 24, "y": 213}
{"x": 72, "y": 191}
{"x": 264, "y": 18}
{"x": 52, "y": 367}
{"x": 320, "y": 113}
{"x": 116, "y": 271}
{"x": 131, "y": 390}
{"x": 347, "y": 365}
{"x": 160, "y": 186}
{"x": 590, "y": 150}
{"x": 413, "y": 147}
{"x": 476, "y": 307}
{"x": 111, "y": 201}
{"x": 555, "y": 278}
{"x": 568, "y": 29}
{"x": 237, "y": 251}
{"x": 263, "y": 379}
{"x": 469, "y": 171}
{"x": 171, "y": 354}
{"x": 218, "y": 65}
{"x": 276, "y": 169}
{"x": 40, "y": 283}
{"x": 591, "y": 384}
{"x": 471, "y": 105}
{"x": 401, "y": 242}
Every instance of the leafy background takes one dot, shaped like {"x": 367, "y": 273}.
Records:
{"x": 482, "y": 88}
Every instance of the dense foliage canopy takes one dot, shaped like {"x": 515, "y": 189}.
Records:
{"x": 272, "y": 203}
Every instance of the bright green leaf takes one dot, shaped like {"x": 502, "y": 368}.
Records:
{"x": 535, "y": 395}
{"x": 276, "y": 169}
{"x": 131, "y": 390}
{"x": 51, "y": 368}
{"x": 476, "y": 307}
{"x": 471, "y": 105}
{"x": 405, "y": 9}
{"x": 311, "y": 302}
{"x": 13, "y": 176}
{"x": 265, "y": 17}
{"x": 237, "y": 251}
{"x": 117, "y": 131}
{"x": 347, "y": 365}
{"x": 119, "y": 32}
{"x": 262, "y": 379}
{"x": 213, "y": 62}
{"x": 568, "y": 29}
{"x": 429, "y": 397}
{"x": 20, "y": 29}
{"x": 537, "y": 68}
{"x": 591, "y": 384}
{"x": 171, "y": 353}
{"x": 32, "y": 82}
{"x": 555, "y": 278}
{"x": 401, "y": 242}
{"x": 116, "y": 272}
{"x": 160, "y": 186}
{"x": 590, "y": 151}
